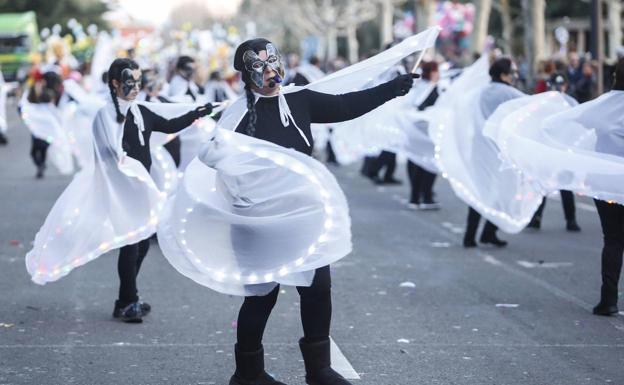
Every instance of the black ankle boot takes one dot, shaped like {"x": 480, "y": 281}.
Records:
{"x": 493, "y": 240}
{"x": 250, "y": 369}
{"x": 605, "y": 310}
{"x": 317, "y": 360}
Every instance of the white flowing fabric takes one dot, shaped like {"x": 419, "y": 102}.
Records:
{"x": 45, "y": 122}
{"x": 250, "y": 214}
{"x": 397, "y": 126}
{"x": 110, "y": 203}
{"x": 103, "y": 56}
{"x": 563, "y": 146}
{"x": 4, "y": 89}
{"x": 192, "y": 138}
{"x": 470, "y": 161}
{"x": 78, "y": 113}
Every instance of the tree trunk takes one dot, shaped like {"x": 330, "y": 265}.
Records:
{"x": 425, "y": 12}
{"x": 529, "y": 49}
{"x": 615, "y": 27}
{"x": 539, "y": 30}
{"x": 352, "y": 43}
{"x": 479, "y": 36}
{"x": 332, "y": 44}
{"x": 387, "y": 13}
{"x": 507, "y": 25}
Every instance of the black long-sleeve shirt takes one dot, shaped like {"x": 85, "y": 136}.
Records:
{"x": 309, "y": 107}
{"x": 152, "y": 122}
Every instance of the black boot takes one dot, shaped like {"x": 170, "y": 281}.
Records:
{"x": 317, "y": 360}
{"x": 493, "y": 240}
{"x": 250, "y": 369}
{"x": 572, "y": 226}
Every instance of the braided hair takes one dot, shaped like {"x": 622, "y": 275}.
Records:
{"x": 251, "y": 107}
{"x": 114, "y": 72}
{"x": 239, "y": 65}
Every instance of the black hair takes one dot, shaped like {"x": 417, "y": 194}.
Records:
{"x": 114, "y": 72}
{"x": 428, "y": 68}
{"x": 501, "y": 66}
{"x": 255, "y": 45}
{"x": 618, "y": 74}
{"x": 314, "y": 60}
{"x": 183, "y": 61}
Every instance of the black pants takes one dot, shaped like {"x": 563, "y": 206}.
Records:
{"x": 39, "y": 151}
{"x": 386, "y": 159}
{"x": 368, "y": 166}
{"x": 316, "y": 310}
{"x": 612, "y": 221}
{"x": 422, "y": 183}
{"x": 567, "y": 201}
{"x": 489, "y": 230}
{"x": 130, "y": 260}
{"x": 173, "y": 147}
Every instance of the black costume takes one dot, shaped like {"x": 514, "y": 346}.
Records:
{"x": 421, "y": 179}
{"x": 612, "y": 221}
{"x": 300, "y": 80}
{"x": 263, "y": 121}
{"x": 131, "y": 256}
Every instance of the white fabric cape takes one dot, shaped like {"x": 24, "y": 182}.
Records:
{"x": 46, "y": 122}
{"x": 110, "y": 203}
{"x": 470, "y": 161}
{"x": 250, "y": 214}
{"x": 4, "y": 89}
{"x": 397, "y": 126}
{"x": 565, "y": 146}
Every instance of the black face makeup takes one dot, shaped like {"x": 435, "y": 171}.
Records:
{"x": 130, "y": 81}
{"x": 256, "y": 66}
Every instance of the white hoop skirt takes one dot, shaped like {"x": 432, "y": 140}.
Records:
{"x": 562, "y": 146}
{"x": 250, "y": 214}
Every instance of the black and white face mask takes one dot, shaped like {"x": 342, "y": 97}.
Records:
{"x": 188, "y": 71}
{"x": 256, "y": 66}
{"x": 130, "y": 80}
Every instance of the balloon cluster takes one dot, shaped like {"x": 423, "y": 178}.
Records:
{"x": 455, "y": 19}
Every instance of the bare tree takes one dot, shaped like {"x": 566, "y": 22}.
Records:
{"x": 425, "y": 12}
{"x": 615, "y": 27}
{"x": 483, "y": 9}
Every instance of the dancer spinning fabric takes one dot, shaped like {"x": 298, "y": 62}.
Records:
{"x": 113, "y": 202}
{"x": 268, "y": 212}
{"x": 578, "y": 149}
{"x": 41, "y": 109}
{"x": 471, "y": 161}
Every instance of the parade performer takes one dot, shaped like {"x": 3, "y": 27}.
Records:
{"x": 112, "y": 202}
{"x": 576, "y": 148}
{"x": 255, "y": 210}
{"x": 471, "y": 161}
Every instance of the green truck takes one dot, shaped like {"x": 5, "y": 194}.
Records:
{"x": 19, "y": 42}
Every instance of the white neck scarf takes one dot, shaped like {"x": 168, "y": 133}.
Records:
{"x": 133, "y": 106}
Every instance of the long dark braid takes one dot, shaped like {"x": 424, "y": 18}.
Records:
{"x": 120, "y": 116}
{"x": 114, "y": 72}
{"x": 251, "y": 108}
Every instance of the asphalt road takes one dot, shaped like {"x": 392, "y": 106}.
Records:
{"x": 411, "y": 306}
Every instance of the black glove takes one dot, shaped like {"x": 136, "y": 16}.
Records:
{"x": 402, "y": 84}
{"x": 204, "y": 110}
